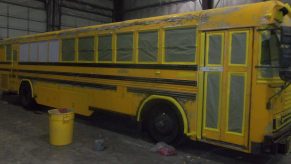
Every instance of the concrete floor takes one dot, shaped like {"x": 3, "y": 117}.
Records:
{"x": 24, "y": 140}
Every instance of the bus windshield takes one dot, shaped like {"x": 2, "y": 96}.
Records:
{"x": 270, "y": 48}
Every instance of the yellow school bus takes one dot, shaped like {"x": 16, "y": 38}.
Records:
{"x": 218, "y": 76}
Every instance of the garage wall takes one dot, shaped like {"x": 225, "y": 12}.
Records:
{"x": 85, "y": 13}
{"x": 21, "y": 17}
{"x": 138, "y": 8}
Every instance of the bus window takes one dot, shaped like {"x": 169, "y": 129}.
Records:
{"x": 125, "y": 47}
{"x": 238, "y": 48}
{"x": 33, "y": 52}
{"x": 86, "y": 49}
{"x": 43, "y": 51}
{"x": 68, "y": 50}
{"x": 54, "y": 46}
{"x": 148, "y": 46}
{"x": 180, "y": 45}
{"x": 105, "y": 48}
{"x": 8, "y": 50}
{"x": 270, "y": 47}
{"x": 24, "y": 52}
{"x": 215, "y": 52}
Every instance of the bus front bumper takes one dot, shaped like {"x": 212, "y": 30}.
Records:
{"x": 279, "y": 141}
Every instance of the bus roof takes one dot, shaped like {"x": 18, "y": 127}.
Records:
{"x": 248, "y": 15}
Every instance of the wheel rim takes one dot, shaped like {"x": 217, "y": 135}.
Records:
{"x": 163, "y": 124}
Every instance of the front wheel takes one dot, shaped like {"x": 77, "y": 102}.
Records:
{"x": 26, "y": 98}
{"x": 163, "y": 124}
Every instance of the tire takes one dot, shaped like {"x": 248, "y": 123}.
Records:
{"x": 26, "y": 99}
{"x": 164, "y": 125}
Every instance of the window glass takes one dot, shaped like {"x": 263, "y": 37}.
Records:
{"x": 105, "y": 48}
{"x": 15, "y": 55}
{"x": 124, "y": 47}
{"x": 54, "y": 46}
{"x": 33, "y": 52}
{"x": 148, "y": 46}
{"x": 24, "y": 53}
{"x": 180, "y": 45}
{"x": 238, "y": 48}
{"x": 270, "y": 48}
{"x": 8, "y": 50}
{"x": 212, "y": 100}
{"x": 215, "y": 48}
{"x": 236, "y": 103}
{"x": 68, "y": 50}
{"x": 43, "y": 51}
{"x": 86, "y": 49}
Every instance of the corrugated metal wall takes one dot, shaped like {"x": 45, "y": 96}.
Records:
{"x": 138, "y": 8}
{"x": 21, "y": 17}
{"x": 75, "y": 14}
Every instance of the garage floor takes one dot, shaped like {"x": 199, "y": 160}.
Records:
{"x": 24, "y": 140}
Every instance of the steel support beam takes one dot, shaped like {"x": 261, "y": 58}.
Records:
{"x": 207, "y": 4}
{"x": 53, "y": 9}
{"x": 118, "y": 11}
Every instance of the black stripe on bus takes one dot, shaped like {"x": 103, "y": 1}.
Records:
{"x": 5, "y": 69}
{"x": 113, "y": 65}
{"x": 112, "y": 77}
{"x": 69, "y": 82}
{"x": 5, "y": 62}
{"x": 164, "y": 93}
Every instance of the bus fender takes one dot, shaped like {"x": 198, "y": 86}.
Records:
{"x": 166, "y": 98}
{"x": 30, "y": 83}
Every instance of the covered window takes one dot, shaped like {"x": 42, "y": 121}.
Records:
{"x": 33, "y": 52}
{"x": 125, "y": 47}
{"x": 215, "y": 49}
{"x": 180, "y": 45}
{"x": 24, "y": 52}
{"x": 86, "y": 49}
{"x": 68, "y": 50}
{"x": 148, "y": 46}
{"x": 8, "y": 50}
{"x": 43, "y": 51}
{"x": 238, "y": 47}
{"x": 105, "y": 48}
{"x": 54, "y": 47}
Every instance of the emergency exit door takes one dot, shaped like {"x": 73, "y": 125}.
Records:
{"x": 227, "y": 77}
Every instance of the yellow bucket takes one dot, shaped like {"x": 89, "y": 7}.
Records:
{"x": 61, "y": 127}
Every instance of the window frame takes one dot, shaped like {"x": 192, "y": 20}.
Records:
{"x": 259, "y": 71}
{"x": 163, "y": 46}
{"x": 158, "y": 45}
{"x": 247, "y": 32}
{"x": 112, "y": 47}
{"x": 11, "y": 54}
{"x": 94, "y": 49}
{"x": 75, "y": 50}
{"x": 133, "y": 57}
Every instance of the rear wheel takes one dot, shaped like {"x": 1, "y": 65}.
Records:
{"x": 26, "y": 98}
{"x": 164, "y": 124}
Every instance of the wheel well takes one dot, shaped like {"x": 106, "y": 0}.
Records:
{"x": 26, "y": 83}
{"x": 147, "y": 108}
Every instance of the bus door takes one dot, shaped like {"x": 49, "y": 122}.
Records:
{"x": 227, "y": 83}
